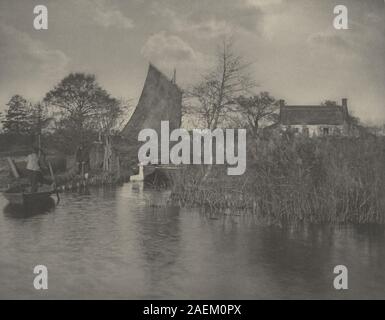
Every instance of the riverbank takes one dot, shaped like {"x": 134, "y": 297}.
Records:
{"x": 69, "y": 181}
{"x": 335, "y": 180}
{"x": 66, "y": 175}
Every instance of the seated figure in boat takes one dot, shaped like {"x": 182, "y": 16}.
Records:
{"x": 34, "y": 170}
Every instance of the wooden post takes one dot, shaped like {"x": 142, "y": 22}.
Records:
{"x": 107, "y": 154}
{"x": 118, "y": 166}
{"x": 39, "y": 145}
{"x": 52, "y": 174}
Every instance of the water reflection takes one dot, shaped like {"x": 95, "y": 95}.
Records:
{"x": 129, "y": 242}
{"x": 159, "y": 239}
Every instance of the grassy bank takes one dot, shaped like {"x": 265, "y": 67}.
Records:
{"x": 302, "y": 179}
{"x": 68, "y": 181}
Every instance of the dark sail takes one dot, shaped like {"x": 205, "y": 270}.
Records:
{"x": 161, "y": 100}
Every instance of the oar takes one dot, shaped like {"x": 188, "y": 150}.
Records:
{"x": 51, "y": 172}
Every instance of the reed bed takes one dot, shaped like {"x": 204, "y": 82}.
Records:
{"x": 333, "y": 180}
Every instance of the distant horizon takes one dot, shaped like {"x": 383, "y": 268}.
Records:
{"x": 134, "y": 104}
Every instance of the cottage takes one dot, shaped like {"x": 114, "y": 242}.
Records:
{"x": 318, "y": 120}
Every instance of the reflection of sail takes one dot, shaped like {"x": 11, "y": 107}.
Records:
{"x": 161, "y": 99}
{"x": 159, "y": 237}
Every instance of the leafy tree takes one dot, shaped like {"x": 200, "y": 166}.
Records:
{"x": 108, "y": 116}
{"x": 257, "y": 108}
{"x": 81, "y": 102}
{"x": 16, "y": 120}
{"x": 38, "y": 118}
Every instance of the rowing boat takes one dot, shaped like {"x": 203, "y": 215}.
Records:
{"x": 19, "y": 196}
{"x": 27, "y": 198}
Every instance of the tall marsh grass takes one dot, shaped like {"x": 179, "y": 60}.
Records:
{"x": 335, "y": 179}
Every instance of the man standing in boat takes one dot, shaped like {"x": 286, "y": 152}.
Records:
{"x": 34, "y": 171}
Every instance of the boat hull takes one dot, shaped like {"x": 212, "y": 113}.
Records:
{"x": 27, "y": 198}
{"x": 160, "y": 175}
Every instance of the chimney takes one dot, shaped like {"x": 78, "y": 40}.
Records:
{"x": 281, "y": 104}
{"x": 344, "y": 102}
{"x": 345, "y": 106}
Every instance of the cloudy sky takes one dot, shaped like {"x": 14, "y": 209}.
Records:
{"x": 296, "y": 53}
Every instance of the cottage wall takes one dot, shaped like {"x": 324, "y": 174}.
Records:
{"x": 316, "y": 130}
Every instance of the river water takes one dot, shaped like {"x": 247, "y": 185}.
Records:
{"x": 128, "y": 243}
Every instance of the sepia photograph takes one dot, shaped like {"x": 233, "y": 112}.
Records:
{"x": 196, "y": 150}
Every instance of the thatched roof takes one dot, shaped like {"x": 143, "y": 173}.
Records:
{"x": 312, "y": 115}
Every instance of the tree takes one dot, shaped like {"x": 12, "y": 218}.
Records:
{"x": 107, "y": 120}
{"x": 257, "y": 108}
{"x": 17, "y": 116}
{"x": 38, "y": 118}
{"x": 81, "y": 102}
{"x": 108, "y": 116}
{"x": 213, "y": 99}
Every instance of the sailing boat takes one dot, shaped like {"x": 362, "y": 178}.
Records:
{"x": 161, "y": 100}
